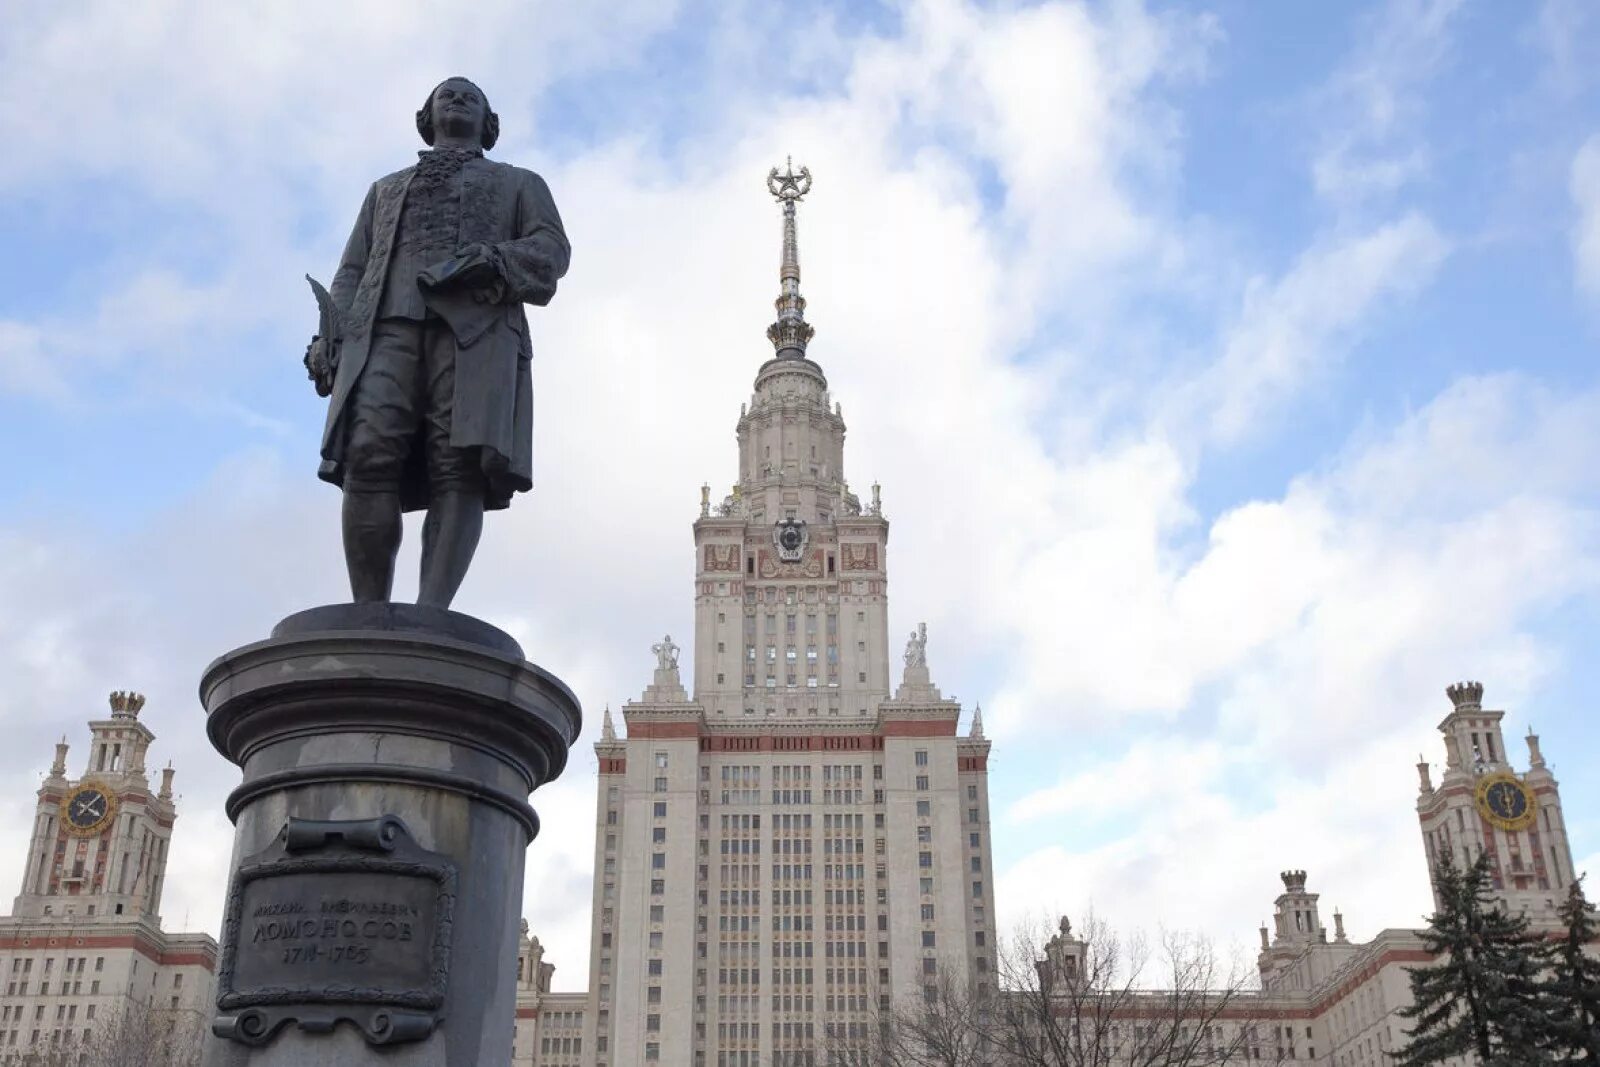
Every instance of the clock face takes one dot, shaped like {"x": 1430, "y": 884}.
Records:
{"x": 1504, "y": 801}
{"x": 88, "y": 809}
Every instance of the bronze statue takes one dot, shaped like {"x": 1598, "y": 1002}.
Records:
{"x": 423, "y": 347}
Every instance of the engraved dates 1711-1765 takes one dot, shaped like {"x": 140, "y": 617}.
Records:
{"x": 337, "y": 921}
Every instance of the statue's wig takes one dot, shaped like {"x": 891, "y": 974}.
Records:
{"x": 491, "y": 121}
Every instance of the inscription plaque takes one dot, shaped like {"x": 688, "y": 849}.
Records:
{"x": 337, "y": 921}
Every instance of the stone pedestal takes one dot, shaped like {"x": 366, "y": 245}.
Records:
{"x": 388, "y": 753}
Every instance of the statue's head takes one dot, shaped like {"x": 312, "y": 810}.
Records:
{"x": 458, "y": 107}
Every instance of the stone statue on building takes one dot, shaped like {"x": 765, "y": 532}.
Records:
{"x": 424, "y": 349}
{"x": 917, "y": 647}
{"x": 666, "y": 654}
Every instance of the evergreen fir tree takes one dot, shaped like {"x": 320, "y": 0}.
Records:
{"x": 1574, "y": 985}
{"x": 1483, "y": 997}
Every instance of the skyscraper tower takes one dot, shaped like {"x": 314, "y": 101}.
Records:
{"x": 794, "y": 846}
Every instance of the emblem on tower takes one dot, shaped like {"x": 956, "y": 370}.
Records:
{"x": 789, "y": 185}
{"x": 791, "y": 536}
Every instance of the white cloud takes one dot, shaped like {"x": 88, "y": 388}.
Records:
{"x": 1046, "y": 531}
{"x": 1584, "y": 186}
{"x": 1366, "y": 116}
{"x": 1289, "y": 327}
{"x": 1323, "y": 626}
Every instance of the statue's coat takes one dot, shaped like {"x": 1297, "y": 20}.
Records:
{"x": 502, "y": 206}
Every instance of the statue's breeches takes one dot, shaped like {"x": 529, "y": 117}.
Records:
{"x": 402, "y": 402}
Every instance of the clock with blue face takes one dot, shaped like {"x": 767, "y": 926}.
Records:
{"x": 88, "y": 809}
{"x": 1505, "y": 801}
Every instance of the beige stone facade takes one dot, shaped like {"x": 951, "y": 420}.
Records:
{"x": 83, "y": 951}
{"x": 791, "y": 848}
{"x": 794, "y": 846}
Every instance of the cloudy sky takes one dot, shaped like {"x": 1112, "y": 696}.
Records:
{"x": 1228, "y": 369}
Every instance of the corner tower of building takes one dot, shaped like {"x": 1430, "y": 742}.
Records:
{"x": 99, "y": 843}
{"x": 87, "y": 967}
{"x": 1483, "y": 805}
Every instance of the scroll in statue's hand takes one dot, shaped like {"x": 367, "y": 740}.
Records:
{"x": 473, "y": 270}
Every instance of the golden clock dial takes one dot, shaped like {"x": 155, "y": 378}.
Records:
{"x": 1505, "y": 801}
{"x": 88, "y": 809}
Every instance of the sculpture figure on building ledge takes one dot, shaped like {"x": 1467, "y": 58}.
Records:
{"x": 917, "y": 647}
{"x": 423, "y": 347}
{"x": 666, "y": 654}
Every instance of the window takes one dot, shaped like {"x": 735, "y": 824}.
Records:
{"x": 921, "y": 757}
{"x": 661, "y": 785}
{"x": 661, "y": 809}
{"x": 658, "y": 834}
{"x": 927, "y": 939}
{"x": 655, "y": 913}
{"x": 972, "y": 839}
{"x": 658, "y": 861}
{"x": 927, "y": 913}
{"x": 924, "y": 808}
{"x": 977, "y": 889}
{"x": 922, "y": 782}
{"x": 924, "y": 859}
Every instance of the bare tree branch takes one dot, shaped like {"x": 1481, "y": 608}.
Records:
{"x": 1090, "y": 999}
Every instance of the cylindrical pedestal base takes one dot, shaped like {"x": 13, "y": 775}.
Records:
{"x": 388, "y": 753}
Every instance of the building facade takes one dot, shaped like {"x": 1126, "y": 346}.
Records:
{"x": 83, "y": 957}
{"x": 1326, "y": 1000}
{"x": 793, "y": 846}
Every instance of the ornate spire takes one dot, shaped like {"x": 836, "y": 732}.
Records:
{"x": 791, "y": 332}
{"x": 608, "y": 731}
{"x": 977, "y": 722}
